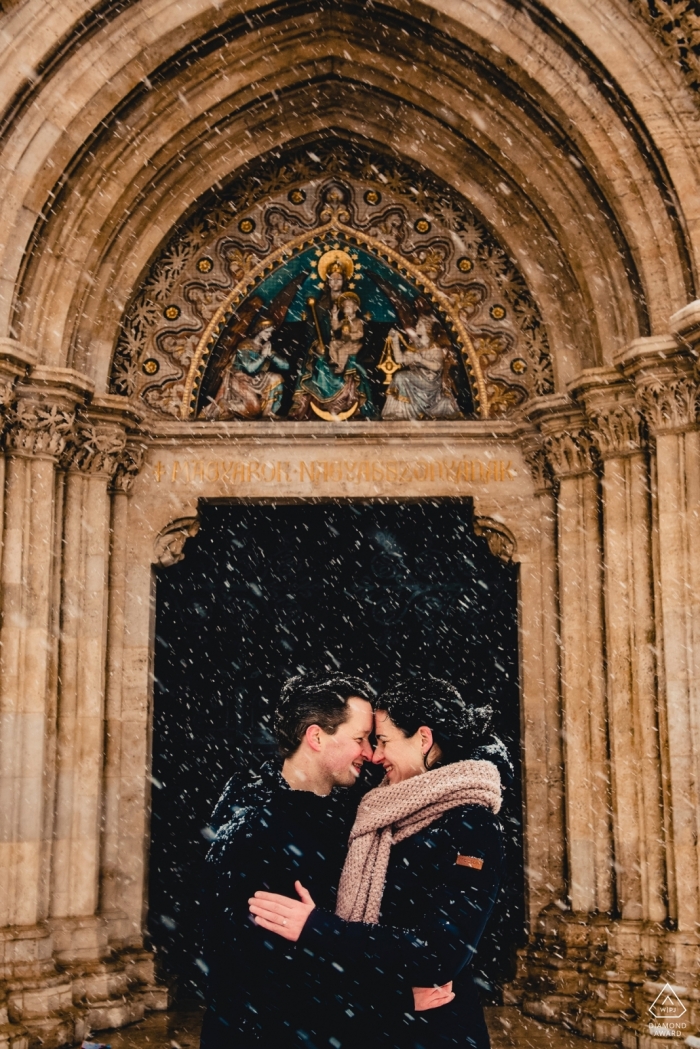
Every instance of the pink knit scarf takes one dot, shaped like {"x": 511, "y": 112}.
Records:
{"x": 389, "y": 814}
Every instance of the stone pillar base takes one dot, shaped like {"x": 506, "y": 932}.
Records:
{"x": 26, "y": 951}
{"x": 53, "y": 1008}
{"x": 554, "y": 969}
{"x": 613, "y": 981}
{"x": 79, "y": 940}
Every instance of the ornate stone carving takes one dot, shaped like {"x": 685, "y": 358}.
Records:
{"x": 570, "y": 452}
{"x": 670, "y": 405}
{"x": 617, "y": 430}
{"x": 169, "y": 547}
{"x": 39, "y": 428}
{"x": 676, "y": 24}
{"x": 170, "y": 361}
{"x": 128, "y": 466}
{"x": 536, "y": 459}
{"x": 94, "y": 448}
{"x": 500, "y": 540}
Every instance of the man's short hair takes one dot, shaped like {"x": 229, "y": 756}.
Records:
{"x": 317, "y": 698}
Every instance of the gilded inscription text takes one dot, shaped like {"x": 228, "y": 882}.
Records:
{"x": 327, "y": 471}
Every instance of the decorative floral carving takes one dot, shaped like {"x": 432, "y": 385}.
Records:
{"x": 669, "y": 405}
{"x": 94, "y": 448}
{"x": 570, "y": 452}
{"x": 500, "y": 541}
{"x": 7, "y": 398}
{"x": 676, "y": 24}
{"x": 39, "y": 428}
{"x": 169, "y": 547}
{"x": 128, "y": 466}
{"x": 616, "y": 430}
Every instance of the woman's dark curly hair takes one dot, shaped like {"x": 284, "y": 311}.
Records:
{"x": 460, "y": 729}
{"x": 316, "y": 698}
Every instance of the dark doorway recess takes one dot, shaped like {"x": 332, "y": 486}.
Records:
{"x": 373, "y": 588}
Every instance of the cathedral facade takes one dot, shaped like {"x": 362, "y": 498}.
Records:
{"x": 343, "y": 251}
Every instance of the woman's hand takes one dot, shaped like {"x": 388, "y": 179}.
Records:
{"x": 425, "y": 998}
{"x": 282, "y": 914}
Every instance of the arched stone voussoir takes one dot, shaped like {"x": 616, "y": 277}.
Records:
{"x": 598, "y": 276}
{"x": 135, "y": 220}
{"x": 114, "y": 272}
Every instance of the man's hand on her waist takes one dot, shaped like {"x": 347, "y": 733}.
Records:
{"x": 282, "y": 914}
{"x": 425, "y": 998}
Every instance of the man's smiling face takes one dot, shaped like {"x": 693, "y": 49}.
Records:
{"x": 345, "y": 751}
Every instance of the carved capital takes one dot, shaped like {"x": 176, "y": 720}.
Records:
{"x": 566, "y": 442}
{"x": 94, "y": 447}
{"x": 500, "y": 541}
{"x": 536, "y": 458}
{"x": 128, "y": 467}
{"x": 38, "y": 428}
{"x": 7, "y": 399}
{"x": 616, "y": 430}
{"x": 669, "y": 404}
{"x": 570, "y": 452}
{"x": 169, "y": 547}
{"x": 664, "y": 374}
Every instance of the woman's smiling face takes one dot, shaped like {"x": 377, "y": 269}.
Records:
{"x": 401, "y": 756}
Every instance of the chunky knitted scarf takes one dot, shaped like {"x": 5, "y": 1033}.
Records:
{"x": 392, "y": 813}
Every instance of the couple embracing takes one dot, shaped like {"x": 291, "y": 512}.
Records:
{"x": 348, "y": 918}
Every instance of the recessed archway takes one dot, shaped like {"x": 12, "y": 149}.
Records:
{"x": 267, "y": 590}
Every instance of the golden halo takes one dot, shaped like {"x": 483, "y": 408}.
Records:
{"x": 336, "y": 257}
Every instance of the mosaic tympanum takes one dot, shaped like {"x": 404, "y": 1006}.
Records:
{"x": 330, "y": 285}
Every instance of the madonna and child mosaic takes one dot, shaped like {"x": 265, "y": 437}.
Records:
{"x": 333, "y": 285}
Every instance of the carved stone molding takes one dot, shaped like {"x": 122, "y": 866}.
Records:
{"x": 7, "y": 398}
{"x": 94, "y": 448}
{"x": 536, "y": 458}
{"x": 685, "y": 327}
{"x": 676, "y": 24}
{"x": 38, "y": 428}
{"x": 616, "y": 431}
{"x": 566, "y": 441}
{"x": 570, "y": 452}
{"x": 169, "y": 546}
{"x": 670, "y": 404}
{"x": 128, "y": 466}
{"x": 501, "y": 541}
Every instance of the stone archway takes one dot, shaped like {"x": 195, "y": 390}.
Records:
{"x": 574, "y": 139}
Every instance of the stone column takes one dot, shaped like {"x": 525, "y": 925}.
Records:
{"x": 615, "y": 425}
{"x": 542, "y": 723}
{"x": 40, "y": 426}
{"x": 91, "y": 458}
{"x": 127, "y": 740}
{"x": 667, "y": 392}
{"x": 570, "y": 452}
{"x": 568, "y": 938}
{"x": 119, "y": 788}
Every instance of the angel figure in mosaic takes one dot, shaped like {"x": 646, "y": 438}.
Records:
{"x": 420, "y": 387}
{"x": 252, "y": 385}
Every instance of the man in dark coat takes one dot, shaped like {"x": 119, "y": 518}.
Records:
{"x": 288, "y": 826}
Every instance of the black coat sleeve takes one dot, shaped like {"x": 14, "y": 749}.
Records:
{"x": 450, "y": 915}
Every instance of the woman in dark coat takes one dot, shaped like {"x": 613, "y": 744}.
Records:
{"x": 421, "y": 877}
